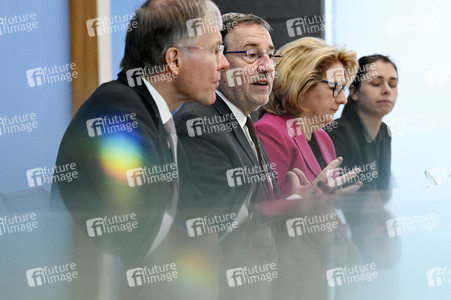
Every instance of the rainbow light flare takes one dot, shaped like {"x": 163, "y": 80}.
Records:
{"x": 196, "y": 273}
{"x": 119, "y": 153}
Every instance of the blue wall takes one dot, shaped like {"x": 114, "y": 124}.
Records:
{"x": 120, "y": 8}
{"x": 46, "y": 45}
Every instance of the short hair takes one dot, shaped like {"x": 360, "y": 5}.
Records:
{"x": 159, "y": 25}
{"x": 364, "y": 62}
{"x": 304, "y": 62}
{"x": 231, "y": 20}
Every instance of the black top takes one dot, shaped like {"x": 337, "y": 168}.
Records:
{"x": 373, "y": 156}
{"x": 317, "y": 152}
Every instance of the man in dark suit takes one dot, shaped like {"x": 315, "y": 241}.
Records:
{"x": 122, "y": 141}
{"x": 217, "y": 138}
{"x": 227, "y": 161}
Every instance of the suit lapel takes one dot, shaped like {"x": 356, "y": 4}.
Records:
{"x": 165, "y": 153}
{"x": 275, "y": 184}
{"x": 223, "y": 109}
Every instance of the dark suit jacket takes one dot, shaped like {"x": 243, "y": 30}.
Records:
{"x": 103, "y": 159}
{"x": 212, "y": 154}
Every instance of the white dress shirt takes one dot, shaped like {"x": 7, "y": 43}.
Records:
{"x": 168, "y": 218}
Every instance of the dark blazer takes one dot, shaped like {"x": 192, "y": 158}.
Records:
{"x": 350, "y": 143}
{"x": 103, "y": 158}
{"x": 211, "y": 155}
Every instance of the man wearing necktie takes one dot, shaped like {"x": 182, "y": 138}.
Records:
{"x": 228, "y": 163}
{"x": 123, "y": 144}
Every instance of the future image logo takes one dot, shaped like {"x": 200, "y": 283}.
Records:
{"x": 18, "y": 123}
{"x": 248, "y": 175}
{"x": 307, "y": 225}
{"x": 239, "y": 76}
{"x": 147, "y": 175}
{"x": 18, "y": 223}
{"x": 335, "y": 75}
{"x": 50, "y": 275}
{"x": 438, "y": 276}
{"x": 153, "y": 74}
{"x": 413, "y": 224}
{"x": 111, "y": 124}
{"x": 251, "y": 274}
{"x": 438, "y": 176}
{"x": 195, "y": 27}
{"x": 411, "y": 25}
{"x": 148, "y": 275}
{"x": 413, "y": 124}
{"x": 211, "y": 125}
{"x": 110, "y": 225}
{"x": 51, "y": 74}
{"x": 349, "y": 275}
{"x": 200, "y": 26}
{"x": 307, "y": 125}
{"x": 235, "y": 77}
{"x": 307, "y": 25}
{"x": 108, "y": 25}
{"x": 46, "y": 175}
{"x": 206, "y": 225}
{"x": 18, "y": 23}
{"x": 368, "y": 173}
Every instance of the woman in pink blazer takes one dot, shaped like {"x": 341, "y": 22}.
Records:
{"x": 309, "y": 88}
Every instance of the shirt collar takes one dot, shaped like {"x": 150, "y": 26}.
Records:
{"x": 239, "y": 115}
{"x": 162, "y": 106}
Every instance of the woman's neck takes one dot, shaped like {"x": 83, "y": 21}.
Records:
{"x": 372, "y": 122}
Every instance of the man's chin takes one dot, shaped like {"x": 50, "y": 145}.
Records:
{"x": 209, "y": 100}
{"x": 260, "y": 101}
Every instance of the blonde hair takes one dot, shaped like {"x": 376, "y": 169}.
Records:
{"x": 303, "y": 63}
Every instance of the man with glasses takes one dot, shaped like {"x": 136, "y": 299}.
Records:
{"x": 230, "y": 169}
{"x": 243, "y": 88}
{"x": 123, "y": 144}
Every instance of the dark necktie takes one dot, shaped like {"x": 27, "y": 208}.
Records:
{"x": 263, "y": 166}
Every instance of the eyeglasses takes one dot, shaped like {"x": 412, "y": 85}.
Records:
{"x": 252, "y": 56}
{"x": 336, "y": 87}
{"x": 217, "y": 50}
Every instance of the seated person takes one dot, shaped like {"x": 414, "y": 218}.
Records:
{"x": 308, "y": 90}
{"x": 360, "y": 137}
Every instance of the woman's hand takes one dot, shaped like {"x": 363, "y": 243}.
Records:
{"x": 325, "y": 183}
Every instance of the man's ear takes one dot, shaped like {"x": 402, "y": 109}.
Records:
{"x": 353, "y": 93}
{"x": 173, "y": 60}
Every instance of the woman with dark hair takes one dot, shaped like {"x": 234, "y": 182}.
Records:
{"x": 360, "y": 137}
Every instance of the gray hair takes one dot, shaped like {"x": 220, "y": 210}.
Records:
{"x": 160, "y": 24}
{"x": 231, "y": 20}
